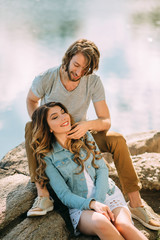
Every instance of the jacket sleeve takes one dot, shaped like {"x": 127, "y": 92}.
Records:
{"x": 101, "y": 182}
{"x": 101, "y": 177}
{"x": 63, "y": 192}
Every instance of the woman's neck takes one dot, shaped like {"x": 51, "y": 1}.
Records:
{"x": 61, "y": 139}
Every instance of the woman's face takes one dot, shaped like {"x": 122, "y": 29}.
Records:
{"x": 58, "y": 120}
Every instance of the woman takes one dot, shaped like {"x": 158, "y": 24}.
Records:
{"x": 78, "y": 175}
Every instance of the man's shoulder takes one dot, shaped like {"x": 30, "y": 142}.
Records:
{"x": 91, "y": 80}
{"x": 92, "y": 77}
{"x": 49, "y": 71}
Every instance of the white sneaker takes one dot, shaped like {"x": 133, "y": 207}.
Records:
{"x": 41, "y": 206}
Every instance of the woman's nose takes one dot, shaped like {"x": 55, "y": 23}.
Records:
{"x": 63, "y": 116}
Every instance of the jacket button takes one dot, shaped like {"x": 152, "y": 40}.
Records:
{"x": 89, "y": 166}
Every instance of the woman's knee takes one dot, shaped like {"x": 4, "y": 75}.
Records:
{"x": 123, "y": 226}
{"x": 101, "y": 223}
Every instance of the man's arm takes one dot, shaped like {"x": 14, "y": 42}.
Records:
{"x": 32, "y": 102}
{"x": 103, "y": 121}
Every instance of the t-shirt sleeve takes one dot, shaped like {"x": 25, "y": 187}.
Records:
{"x": 42, "y": 83}
{"x": 98, "y": 93}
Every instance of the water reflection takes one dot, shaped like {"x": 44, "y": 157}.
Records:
{"x": 35, "y": 34}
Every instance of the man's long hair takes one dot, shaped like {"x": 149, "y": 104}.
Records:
{"x": 42, "y": 142}
{"x": 90, "y": 52}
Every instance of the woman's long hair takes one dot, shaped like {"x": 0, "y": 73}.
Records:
{"x": 42, "y": 142}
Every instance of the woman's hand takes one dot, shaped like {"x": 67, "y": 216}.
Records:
{"x": 103, "y": 209}
{"x": 78, "y": 130}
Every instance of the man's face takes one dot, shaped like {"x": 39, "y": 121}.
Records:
{"x": 77, "y": 67}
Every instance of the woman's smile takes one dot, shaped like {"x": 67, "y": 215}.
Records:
{"x": 65, "y": 124}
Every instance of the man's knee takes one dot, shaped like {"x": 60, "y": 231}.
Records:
{"x": 108, "y": 141}
{"x": 114, "y": 136}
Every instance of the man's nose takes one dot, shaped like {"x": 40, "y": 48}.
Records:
{"x": 78, "y": 71}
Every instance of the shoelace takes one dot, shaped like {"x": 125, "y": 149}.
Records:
{"x": 37, "y": 201}
{"x": 149, "y": 213}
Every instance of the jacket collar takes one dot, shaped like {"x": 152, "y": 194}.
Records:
{"x": 57, "y": 147}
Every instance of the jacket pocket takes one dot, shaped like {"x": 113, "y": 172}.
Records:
{"x": 61, "y": 163}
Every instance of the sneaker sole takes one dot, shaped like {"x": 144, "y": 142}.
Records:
{"x": 42, "y": 213}
{"x": 144, "y": 223}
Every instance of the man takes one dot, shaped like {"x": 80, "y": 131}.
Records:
{"x": 74, "y": 84}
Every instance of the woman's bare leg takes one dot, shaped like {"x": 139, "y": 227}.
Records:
{"x": 93, "y": 223}
{"x": 124, "y": 225}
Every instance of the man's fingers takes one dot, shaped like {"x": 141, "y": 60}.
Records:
{"x": 74, "y": 136}
{"x": 72, "y": 131}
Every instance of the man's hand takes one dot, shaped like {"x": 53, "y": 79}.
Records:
{"x": 103, "y": 209}
{"x": 78, "y": 130}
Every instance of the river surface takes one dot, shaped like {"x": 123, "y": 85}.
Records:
{"x": 34, "y": 34}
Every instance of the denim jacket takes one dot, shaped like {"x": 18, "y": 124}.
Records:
{"x": 71, "y": 188}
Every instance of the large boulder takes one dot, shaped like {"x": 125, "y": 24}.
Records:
{"x": 139, "y": 143}
{"x": 18, "y": 193}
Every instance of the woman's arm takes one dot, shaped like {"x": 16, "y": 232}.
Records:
{"x": 63, "y": 192}
{"x": 101, "y": 183}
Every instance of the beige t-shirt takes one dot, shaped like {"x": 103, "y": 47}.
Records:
{"x": 49, "y": 87}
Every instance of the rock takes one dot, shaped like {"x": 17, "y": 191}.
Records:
{"x": 15, "y": 161}
{"x": 50, "y": 227}
{"x": 147, "y": 166}
{"x": 139, "y": 143}
{"x": 17, "y": 190}
{"x": 18, "y": 194}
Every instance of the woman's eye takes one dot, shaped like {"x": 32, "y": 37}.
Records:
{"x": 53, "y": 118}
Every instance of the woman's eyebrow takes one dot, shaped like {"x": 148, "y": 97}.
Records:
{"x": 53, "y": 114}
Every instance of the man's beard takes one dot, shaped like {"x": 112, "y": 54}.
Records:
{"x": 69, "y": 76}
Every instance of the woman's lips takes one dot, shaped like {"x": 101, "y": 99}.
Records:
{"x": 64, "y": 124}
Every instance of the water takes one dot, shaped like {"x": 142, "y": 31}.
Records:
{"x": 34, "y": 35}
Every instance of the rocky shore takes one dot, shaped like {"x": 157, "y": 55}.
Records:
{"x": 17, "y": 193}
